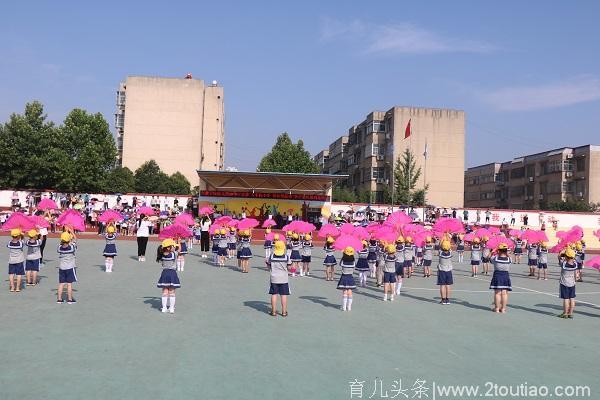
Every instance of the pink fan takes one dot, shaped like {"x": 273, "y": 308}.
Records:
{"x": 206, "y": 210}
{"x": 397, "y": 219}
{"x": 347, "y": 229}
{"x": 495, "y": 241}
{"x": 449, "y": 225}
{"x": 268, "y": 223}
{"x": 328, "y": 230}
{"x": 72, "y": 219}
{"x": 494, "y": 230}
{"x": 146, "y": 210}
{"x": 372, "y": 228}
{"x": 469, "y": 237}
{"x": 348, "y": 241}
{"x": 529, "y": 235}
{"x": 420, "y": 237}
{"x": 293, "y": 226}
{"x": 541, "y": 236}
{"x": 233, "y": 223}
{"x": 361, "y": 233}
{"x": 213, "y": 228}
{"x": 175, "y": 231}
{"x": 481, "y": 232}
{"x": 412, "y": 229}
{"x": 593, "y": 262}
{"x": 386, "y": 234}
{"x": 571, "y": 236}
{"x": 270, "y": 236}
{"x": 515, "y": 233}
{"x": 39, "y": 221}
{"x": 247, "y": 223}
{"x": 306, "y": 227}
{"x": 223, "y": 220}
{"x": 110, "y": 216}
{"x": 18, "y": 220}
{"x": 47, "y": 204}
{"x": 185, "y": 219}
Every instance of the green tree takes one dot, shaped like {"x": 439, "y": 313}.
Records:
{"x": 91, "y": 151}
{"x": 120, "y": 180}
{"x": 406, "y": 175}
{"x": 178, "y": 184}
{"x": 31, "y": 152}
{"x": 572, "y": 205}
{"x": 150, "y": 179}
{"x": 286, "y": 156}
{"x": 343, "y": 195}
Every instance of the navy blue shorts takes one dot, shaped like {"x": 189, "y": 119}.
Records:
{"x": 445, "y": 278}
{"x": 399, "y": 269}
{"x": 485, "y": 260}
{"x": 282, "y": 289}
{"x": 67, "y": 275}
{"x": 231, "y": 246}
{"x": 518, "y": 251}
{"x": 389, "y": 277}
{"x": 32, "y": 265}
{"x": 567, "y": 292}
{"x": 222, "y": 251}
{"x": 532, "y": 263}
{"x": 427, "y": 263}
{"x": 408, "y": 263}
{"x": 306, "y": 259}
{"x": 16, "y": 269}
{"x": 475, "y": 262}
{"x": 542, "y": 265}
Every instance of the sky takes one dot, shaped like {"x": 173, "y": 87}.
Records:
{"x": 526, "y": 73}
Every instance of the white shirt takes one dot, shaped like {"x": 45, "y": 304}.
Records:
{"x": 43, "y": 231}
{"x": 206, "y": 226}
{"x": 143, "y": 229}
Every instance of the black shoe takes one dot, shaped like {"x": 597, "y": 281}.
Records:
{"x": 72, "y": 301}
{"x": 60, "y": 301}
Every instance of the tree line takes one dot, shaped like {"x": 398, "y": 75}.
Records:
{"x": 77, "y": 156}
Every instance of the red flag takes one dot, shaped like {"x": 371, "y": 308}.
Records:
{"x": 407, "y": 131}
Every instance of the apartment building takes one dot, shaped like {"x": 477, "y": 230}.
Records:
{"x": 374, "y": 145}
{"x": 178, "y": 122}
{"x": 534, "y": 181}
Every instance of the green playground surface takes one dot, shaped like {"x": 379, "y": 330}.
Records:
{"x": 222, "y": 344}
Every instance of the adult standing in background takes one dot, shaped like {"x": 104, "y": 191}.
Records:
{"x": 466, "y": 216}
{"x": 512, "y": 218}
{"x": 205, "y": 223}
{"x": 525, "y": 220}
{"x": 142, "y": 233}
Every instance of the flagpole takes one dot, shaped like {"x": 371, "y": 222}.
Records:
{"x": 425, "y": 179}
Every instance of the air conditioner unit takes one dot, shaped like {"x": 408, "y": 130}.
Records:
{"x": 380, "y": 180}
{"x": 387, "y": 181}
{"x": 388, "y": 136}
{"x": 569, "y": 174}
{"x": 580, "y": 194}
{"x": 380, "y": 157}
{"x": 541, "y": 197}
{"x": 531, "y": 179}
{"x": 569, "y": 156}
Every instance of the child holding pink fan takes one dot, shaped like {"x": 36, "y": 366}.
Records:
{"x": 306, "y": 254}
{"x": 444, "y": 279}
{"x": 362, "y": 265}
{"x": 427, "y": 257}
{"x": 346, "y": 283}
{"x": 245, "y": 253}
{"x": 389, "y": 272}
{"x": 16, "y": 260}
{"x": 268, "y": 244}
{"x": 110, "y": 248}
{"x": 182, "y": 251}
{"x": 329, "y": 262}
{"x": 372, "y": 257}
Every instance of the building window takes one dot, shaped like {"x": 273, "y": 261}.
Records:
{"x": 517, "y": 191}
{"x": 567, "y": 187}
{"x": 517, "y": 173}
{"x": 351, "y": 159}
{"x": 377, "y": 173}
{"x": 378, "y": 197}
{"x": 530, "y": 170}
{"x": 580, "y": 164}
{"x": 376, "y": 126}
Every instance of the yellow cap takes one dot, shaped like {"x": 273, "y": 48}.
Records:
{"x": 307, "y": 236}
{"x": 445, "y": 245}
{"x": 329, "y": 239}
{"x": 578, "y": 246}
{"x": 279, "y": 248}
{"x": 15, "y": 232}
{"x": 428, "y": 239}
{"x": 502, "y": 246}
{"x": 400, "y": 239}
{"x": 476, "y": 240}
{"x": 247, "y": 232}
{"x": 295, "y": 236}
{"x": 349, "y": 251}
{"x": 544, "y": 244}
{"x": 390, "y": 248}
{"x": 32, "y": 233}
{"x": 288, "y": 233}
{"x": 268, "y": 230}
{"x": 365, "y": 243}
{"x": 232, "y": 228}
{"x": 408, "y": 239}
{"x": 485, "y": 238}
{"x": 168, "y": 243}
{"x": 65, "y": 237}
{"x": 110, "y": 229}
{"x": 223, "y": 232}
{"x": 570, "y": 253}
{"x": 276, "y": 236}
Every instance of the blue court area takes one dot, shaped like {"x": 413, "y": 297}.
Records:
{"x": 222, "y": 344}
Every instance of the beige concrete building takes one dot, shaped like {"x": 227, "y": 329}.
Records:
{"x": 178, "y": 122}
{"x": 374, "y": 145}
{"x": 534, "y": 181}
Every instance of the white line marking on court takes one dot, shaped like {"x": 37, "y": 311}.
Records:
{"x": 546, "y": 293}
{"x": 460, "y": 290}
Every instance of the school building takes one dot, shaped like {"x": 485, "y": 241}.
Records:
{"x": 534, "y": 181}
{"x": 370, "y": 150}
{"x": 178, "y": 122}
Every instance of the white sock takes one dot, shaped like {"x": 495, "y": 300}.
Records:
{"x": 164, "y": 299}
{"x": 398, "y": 286}
{"x": 385, "y": 297}
{"x": 392, "y": 296}
{"x": 344, "y": 302}
{"x": 182, "y": 263}
{"x": 172, "y": 302}
{"x": 107, "y": 265}
{"x": 349, "y": 306}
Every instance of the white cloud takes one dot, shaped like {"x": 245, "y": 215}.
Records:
{"x": 557, "y": 94}
{"x": 402, "y": 38}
